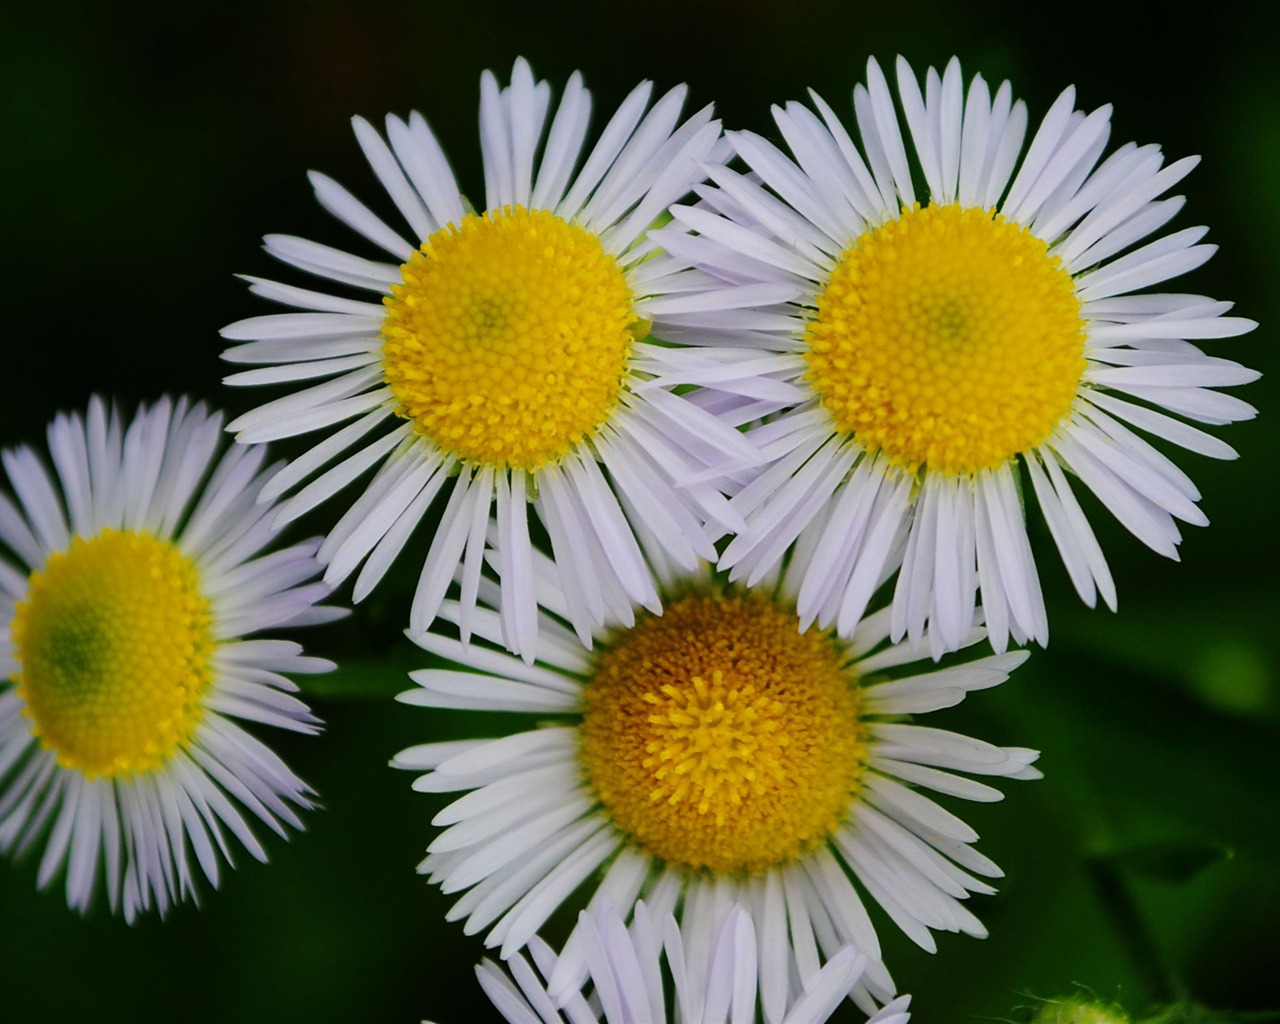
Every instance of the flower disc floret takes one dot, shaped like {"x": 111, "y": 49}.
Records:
{"x": 114, "y": 646}
{"x": 718, "y": 736}
{"x": 947, "y": 338}
{"x": 507, "y": 341}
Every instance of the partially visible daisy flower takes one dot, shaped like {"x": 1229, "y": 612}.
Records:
{"x": 929, "y": 349}
{"x": 628, "y": 986}
{"x": 712, "y": 753}
{"x": 504, "y": 359}
{"x": 142, "y": 565}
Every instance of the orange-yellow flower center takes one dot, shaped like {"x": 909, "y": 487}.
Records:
{"x": 718, "y": 736}
{"x": 507, "y": 342}
{"x": 947, "y": 338}
{"x": 114, "y": 646}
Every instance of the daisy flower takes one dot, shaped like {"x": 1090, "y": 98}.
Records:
{"x": 937, "y": 341}
{"x": 625, "y": 969}
{"x": 141, "y": 564}
{"x": 712, "y": 753}
{"x": 503, "y": 357}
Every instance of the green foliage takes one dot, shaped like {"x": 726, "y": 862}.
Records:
{"x": 1172, "y": 862}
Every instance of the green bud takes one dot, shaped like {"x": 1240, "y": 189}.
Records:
{"x": 1079, "y": 1011}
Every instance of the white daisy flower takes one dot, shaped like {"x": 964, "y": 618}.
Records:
{"x": 141, "y": 565}
{"x": 505, "y": 358}
{"x": 708, "y": 755}
{"x": 627, "y": 982}
{"x": 934, "y": 340}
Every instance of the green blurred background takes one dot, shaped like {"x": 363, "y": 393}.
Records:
{"x": 145, "y": 149}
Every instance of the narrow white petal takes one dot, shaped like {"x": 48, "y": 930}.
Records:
{"x": 331, "y": 263}
{"x": 446, "y": 551}
{"x": 606, "y": 149}
{"x": 1139, "y": 515}
{"x": 348, "y": 209}
{"x": 564, "y": 143}
{"x": 887, "y": 135}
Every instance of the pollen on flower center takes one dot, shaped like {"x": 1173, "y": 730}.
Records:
{"x": 114, "y": 644}
{"x": 947, "y": 338}
{"x": 507, "y": 342}
{"x": 718, "y": 736}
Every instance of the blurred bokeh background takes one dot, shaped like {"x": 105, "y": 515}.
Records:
{"x": 144, "y": 149}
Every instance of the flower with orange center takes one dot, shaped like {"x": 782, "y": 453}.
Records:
{"x": 713, "y": 752}
{"x": 718, "y": 736}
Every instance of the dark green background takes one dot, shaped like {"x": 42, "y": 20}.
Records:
{"x": 145, "y": 149}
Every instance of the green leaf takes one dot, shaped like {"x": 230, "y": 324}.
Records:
{"x": 1175, "y": 862}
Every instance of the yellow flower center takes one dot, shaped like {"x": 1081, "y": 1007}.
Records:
{"x": 719, "y": 736}
{"x": 947, "y": 338}
{"x": 114, "y": 646}
{"x": 507, "y": 342}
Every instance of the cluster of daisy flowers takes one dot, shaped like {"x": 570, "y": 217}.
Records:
{"x": 726, "y": 447}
